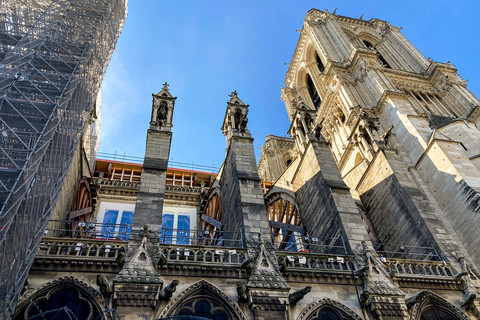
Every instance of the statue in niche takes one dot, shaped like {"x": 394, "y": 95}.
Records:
{"x": 162, "y": 114}
{"x": 240, "y": 121}
{"x": 309, "y": 123}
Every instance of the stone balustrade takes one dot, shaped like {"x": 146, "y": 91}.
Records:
{"x": 203, "y": 255}
{"x": 120, "y": 184}
{"x": 79, "y": 248}
{"x": 312, "y": 261}
{"x": 402, "y": 267}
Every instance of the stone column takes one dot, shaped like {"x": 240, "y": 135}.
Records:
{"x": 149, "y": 206}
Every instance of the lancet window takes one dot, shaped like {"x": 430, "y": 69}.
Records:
{"x": 380, "y": 57}
{"x": 312, "y": 90}
{"x": 320, "y": 65}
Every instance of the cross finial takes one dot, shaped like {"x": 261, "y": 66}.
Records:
{"x": 233, "y": 94}
{"x": 165, "y": 86}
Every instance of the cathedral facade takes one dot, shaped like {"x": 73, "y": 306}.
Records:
{"x": 369, "y": 211}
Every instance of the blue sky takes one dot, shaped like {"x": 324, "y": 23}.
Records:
{"x": 207, "y": 49}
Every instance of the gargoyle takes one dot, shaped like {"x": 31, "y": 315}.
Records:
{"x": 247, "y": 265}
{"x": 282, "y": 264}
{"x": 242, "y": 294}
{"x": 104, "y": 286}
{"x": 298, "y": 295}
{"x": 168, "y": 291}
{"x": 162, "y": 260}
{"x": 120, "y": 260}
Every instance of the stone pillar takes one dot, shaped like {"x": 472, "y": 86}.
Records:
{"x": 149, "y": 207}
{"x": 243, "y": 209}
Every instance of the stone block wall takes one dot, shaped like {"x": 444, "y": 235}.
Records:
{"x": 324, "y": 200}
{"x": 241, "y": 192}
{"x": 149, "y": 207}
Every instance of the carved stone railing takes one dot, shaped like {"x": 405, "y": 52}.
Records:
{"x": 311, "y": 261}
{"x": 120, "y": 184}
{"x": 187, "y": 254}
{"x": 180, "y": 189}
{"x": 79, "y": 248}
{"x": 402, "y": 267}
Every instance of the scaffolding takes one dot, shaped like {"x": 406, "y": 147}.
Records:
{"x": 53, "y": 55}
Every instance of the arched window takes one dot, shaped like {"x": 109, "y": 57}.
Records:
{"x": 327, "y": 309}
{"x": 320, "y": 65}
{"x": 65, "y": 298}
{"x": 204, "y": 308}
{"x": 380, "y": 57}
{"x": 436, "y": 314}
{"x": 285, "y": 222}
{"x": 313, "y": 92}
{"x": 326, "y": 314}
{"x": 202, "y": 300}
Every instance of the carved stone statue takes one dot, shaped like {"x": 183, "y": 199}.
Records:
{"x": 386, "y": 135}
{"x": 162, "y": 114}
{"x": 242, "y": 294}
{"x": 168, "y": 291}
{"x": 120, "y": 260}
{"x": 298, "y": 295}
{"x": 282, "y": 264}
{"x": 104, "y": 286}
{"x": 162, "y": 260}
{"x": 243, "y": 123}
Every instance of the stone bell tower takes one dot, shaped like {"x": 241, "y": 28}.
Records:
{"x": 149, "y": 207}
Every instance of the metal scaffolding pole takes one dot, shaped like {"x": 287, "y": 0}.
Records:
{"x": 53, "y": 55}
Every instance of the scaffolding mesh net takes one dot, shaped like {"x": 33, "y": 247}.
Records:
{"x": 53, "y": 55}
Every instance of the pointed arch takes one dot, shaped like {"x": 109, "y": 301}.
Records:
{"x": 87, "y": 298}
{"x": 202, "y": 290}
{"x": 313, "y": 56}
{"x": 82, "y": 208}
{"x": 211, "y": 217}
{"x": 426, "y": 300}
{"x": 315, "y": 308}
{"x": 285, "y": 222}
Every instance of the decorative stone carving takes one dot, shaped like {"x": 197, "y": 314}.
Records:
{"x": 425, "y": 299}
{"x": 162, "y": 109}
{"x": 314, "y": 307}
{"x": 380, "y": 294}
{"x": 104, "y": 286}
{"x": 298, "y": 295}
{"x": 168, "y": 291}
{"x": 206, "y": 289}
{"x": 241, "y": 292}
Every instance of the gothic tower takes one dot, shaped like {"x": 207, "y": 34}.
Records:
{"x": 401, "y": 129}
{"x": 149, "y": 207}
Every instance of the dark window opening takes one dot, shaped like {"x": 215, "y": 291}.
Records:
{"x": 62, "y": 304}
{"x": 380, "y": 57}
{"x": 326, "y": 314}
{"x": 368, "y": 45}
{"x": 435, "y": 314}
{"x": 320, "y": 65}
{"x": 288, "y": 162}
{"x": 313, "y": 92}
